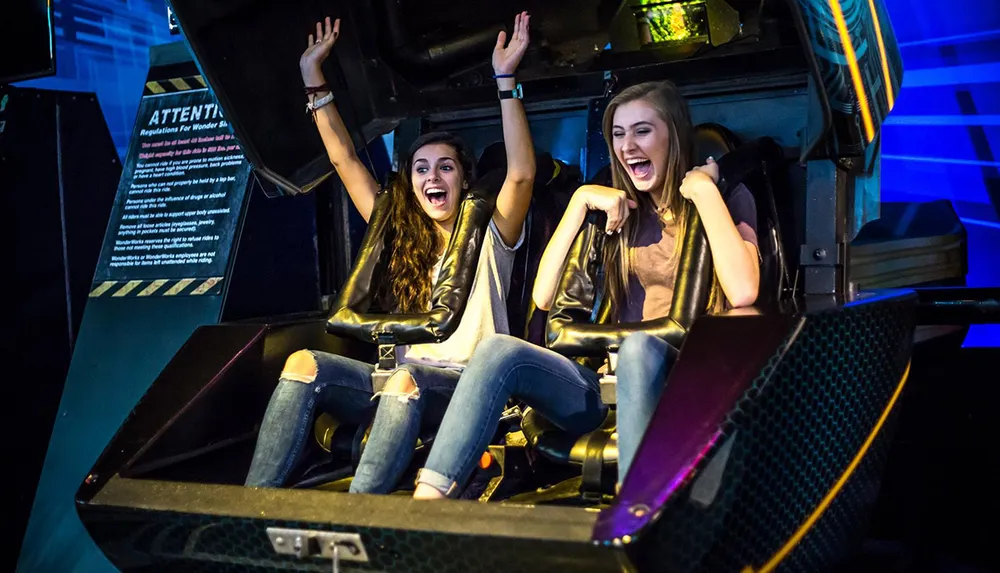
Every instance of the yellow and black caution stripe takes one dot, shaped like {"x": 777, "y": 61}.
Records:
{"x": 173, "y": 85}
{"x": 157, "y": 287}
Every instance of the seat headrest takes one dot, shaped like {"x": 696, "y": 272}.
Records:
{"x": 495, "y": 157}
{"x": 713, "y": 140}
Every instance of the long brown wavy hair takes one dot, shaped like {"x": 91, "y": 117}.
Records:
{"x": 667, "y": 100}
{"x": 416, "y": 243}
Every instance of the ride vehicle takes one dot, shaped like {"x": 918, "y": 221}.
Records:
{"x": 765, "y": 454}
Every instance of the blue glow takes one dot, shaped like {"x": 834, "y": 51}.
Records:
{"x": 971, "y": 74}
{"x": 952, "y": 161}
{"x": 949, "y": 39}
{"x": 945, "y": 141}
{"x": 991, "y": 224}
{"x": 389, "y": 140}
{"x": 102, "y": 46}
{"x": 992, "y": 120}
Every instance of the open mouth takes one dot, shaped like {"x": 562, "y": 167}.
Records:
{"x": 436, "y": 197}
{"x": 640, "y": 168}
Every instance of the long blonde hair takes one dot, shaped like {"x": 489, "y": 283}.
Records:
{"x": 666, "y": 99}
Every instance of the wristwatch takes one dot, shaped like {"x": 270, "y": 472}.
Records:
{"x": 516, "y": 93}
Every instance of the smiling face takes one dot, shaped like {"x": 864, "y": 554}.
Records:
{"x": 438, "y": 181}
{"x": 641, "y": 140}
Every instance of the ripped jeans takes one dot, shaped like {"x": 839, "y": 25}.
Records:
{"x": 343, "y": 388}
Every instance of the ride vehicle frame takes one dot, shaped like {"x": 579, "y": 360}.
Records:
{"x": 767, "y": 446}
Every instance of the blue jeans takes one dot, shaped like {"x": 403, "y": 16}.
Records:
{"x": 343, "y": 388}
{"x": 643, "y": 361}
{"x": 565, "y": 393}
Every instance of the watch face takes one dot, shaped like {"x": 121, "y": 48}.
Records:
{"x": 515, "y": 93}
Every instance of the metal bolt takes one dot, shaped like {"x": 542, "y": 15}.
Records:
{"x": 279, "y": 540}
{"x": 639, "y": 510}
{"x": 819, "y": 254}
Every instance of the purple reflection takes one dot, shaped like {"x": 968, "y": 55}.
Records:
{"x": 721, "y": 357}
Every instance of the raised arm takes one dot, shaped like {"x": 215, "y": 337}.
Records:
{"x": 515, "y": 195}
{"x": 588, "y": 197}
{"x": 735, "y": 259}
{"x": 360, "y": 184}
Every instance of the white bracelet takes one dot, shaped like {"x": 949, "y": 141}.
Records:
{"x": 312, "y": 106}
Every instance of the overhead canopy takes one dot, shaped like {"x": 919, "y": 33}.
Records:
{"x": 412, "y": 58}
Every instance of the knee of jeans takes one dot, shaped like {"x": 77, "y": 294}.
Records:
{"x": 300, "y": 367}
{"x": 501, "y": 348}
{"x": 637, "y": 347}
{"x": 400, "y": 385}
{"x": 496, "y": 355}
{"x": 400, "y": 382}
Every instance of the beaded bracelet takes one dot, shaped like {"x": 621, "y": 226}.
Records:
{"x": 312, "y": 106}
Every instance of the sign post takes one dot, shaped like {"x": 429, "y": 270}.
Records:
{"x": 178, "y": 205}
{"x": 162, "y": 273}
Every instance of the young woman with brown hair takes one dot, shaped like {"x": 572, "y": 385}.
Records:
{"x": 426, "y": 198}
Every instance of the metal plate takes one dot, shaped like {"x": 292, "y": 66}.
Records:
{"x": 608, "y": 389}
{"x": 311, "y": 543}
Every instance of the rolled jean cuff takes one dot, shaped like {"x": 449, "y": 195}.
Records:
{"x": 443, "y": 484}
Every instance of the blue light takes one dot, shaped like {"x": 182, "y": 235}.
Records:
{"x": 102, "y": 46}
{"x": 946, "y": 142}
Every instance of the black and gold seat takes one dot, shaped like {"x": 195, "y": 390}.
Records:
{"x": 578, "y": 323}
{"x": 356, "y": 312}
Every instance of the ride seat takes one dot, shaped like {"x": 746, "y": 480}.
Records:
{"x": 768, "y": 184}
{"x": 596, "y": 450}
{"x": 555, "y": 182}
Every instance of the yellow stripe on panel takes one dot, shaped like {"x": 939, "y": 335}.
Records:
{"x": 129, "y": 287}
{"x": 206, "y": 286}
{"x": 852, "y": 65}
{"x": 102, "y": 289}
{"x": 839, "y": 485}
{"x": 155, "y": 87}
{"x": 890, "y": 99}
{"x": 153, "y": 287}
{"x": 177, "y": 288}
{"x": 180, "y": 84}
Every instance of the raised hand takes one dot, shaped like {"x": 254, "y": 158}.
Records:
{"x": 319, "y": 47}
{"x": 506, "y": 60}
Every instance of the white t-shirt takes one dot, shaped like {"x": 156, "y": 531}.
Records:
{"x": 485, "y": 311}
